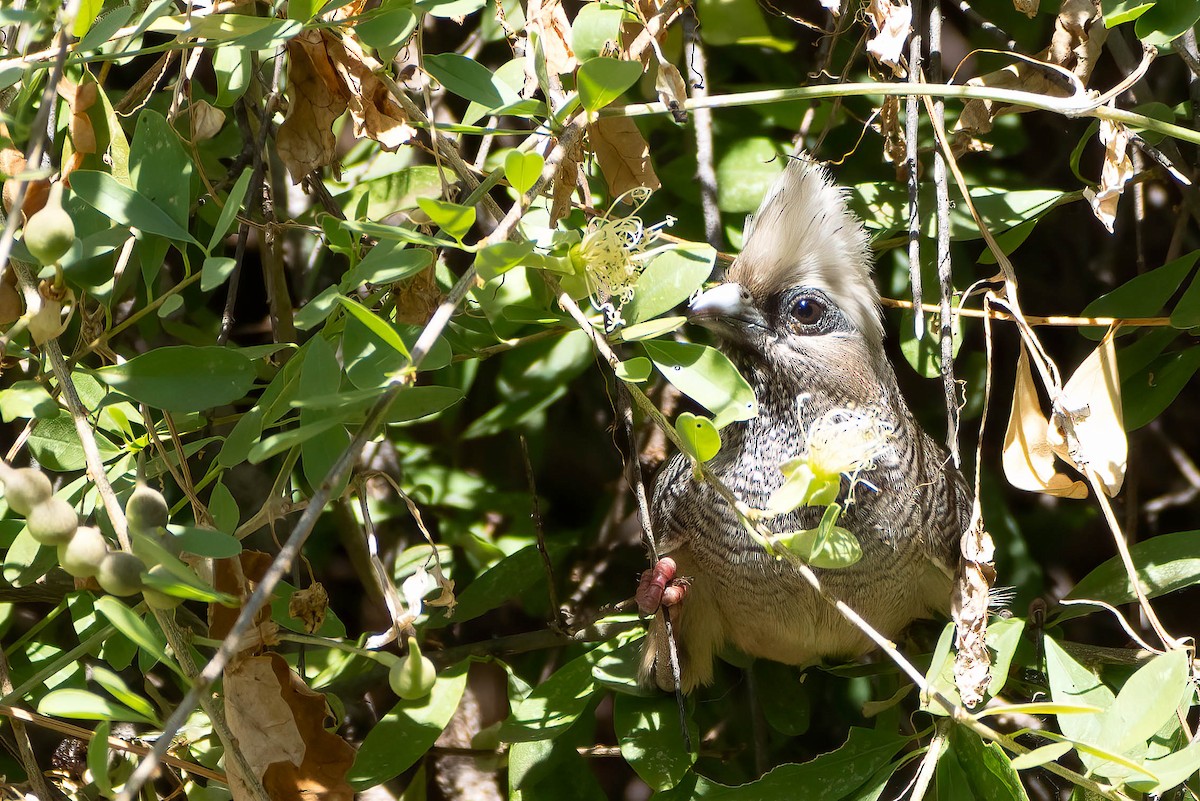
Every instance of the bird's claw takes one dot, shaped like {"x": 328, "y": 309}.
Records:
{"x": 659, "y": 587}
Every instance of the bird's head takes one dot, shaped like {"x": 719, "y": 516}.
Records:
{"x": 800, "y": 295}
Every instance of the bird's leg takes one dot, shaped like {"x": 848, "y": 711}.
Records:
{"x": 659, "y": 587}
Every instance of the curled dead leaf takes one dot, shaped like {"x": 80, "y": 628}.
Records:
{"x": 1087, "y": 431}
{"x": 1028, "y": 458}
{"x": 969, "y": 606}
{"x": 309, "y": 606}
{"x": 567, "y": 175}
{"x": 623, "y": 154}
{"x": 80, "y": 97}
{"x": 10, "y": 299}
{"x": 1027, "y": 7}
{"x": 328, "y": 76}
{"x": 892, "y": 23}
{"x": 1116, "y": 172}
{"x": 279, "y": 723}
{"x": 206, "y": 120}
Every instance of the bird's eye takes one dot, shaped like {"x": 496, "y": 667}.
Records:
{"x": 808, "y": 311}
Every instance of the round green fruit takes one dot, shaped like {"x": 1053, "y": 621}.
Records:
{"x": 26, "y": 488}
{"x": 81, "y": 557}
{"x": 120, "y": 573}
{"x": 50, "y": 233}
{"x": 52, "y": 522}
{"x": 413, "y": 676}
{"x": 146, "y": 510}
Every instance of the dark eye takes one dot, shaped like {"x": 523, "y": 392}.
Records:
{"x": 808, "y": 311}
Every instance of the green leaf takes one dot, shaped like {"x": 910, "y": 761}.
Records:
{"x": 319, "y": 374}
{"x": 1164, "y": 564}
{"x": 215, "y": 271}
{"x": 385, "y": 264}
{"x": 25, "y": 400}
{"x": 375, "y": 325}
{"x": 828, "y": 545}
{"x": 1147, "y": 700}
{"x": 635, "y": 370}
{"x": 206, "y": 542}
{"x": 1166, "y": 21}
{"x": 233, "y": 204}
{"x": 746, "y": 170}
{"x": 1040, "y": 756}
{"x": 1187, "y": 311}
{"x": 469, "y": 79}
{"x": 286, "y": 440}
{"x": 448, "y": 9}
{"x": 925, "y": 355}
{"x": 116, "y": 687}
{"x": 1118, "y": 12}
{"x": 699, "y": 435}
{"x": 240, "y": 30}
{"x": 555, "y": 703}
{"x": 706, "y": 376}
{"x": 618, "y": 670}
{"x": 602, "y": 80}
{"x": 650, "y": 739}
{"x": 594, "y": 26}
{"x": 727, "y": 22}
{"x": 497, "y": 259}
{"x": 829, "y": 777}
{"x": 783, "y": 697}
{"x": 1146, "y": 394}
{"x": 452, "y": 218}
{"x": 987, "y": 768}
{"x": 1072, "y": 683}
{"x": 97, "y": 758}
{"x": 1171, "y": 770}
{"x": 515, "y": 575}
{"x": 232, "y": 69}
{"x": 409, "y": 730}
{"x": 125, "y": 206}
{"x": 651, "y": 328}
{"x": 183, "y": 378}
{"x": 1143, "y": 296}
{"x": 669, "y": 280}
{"x": 133, "y": 627}
{"x": 86, "y": 705}
{"x": 85, "y": 16}
{"x": 387, "y": 32}
{"x": 523, "y": 169}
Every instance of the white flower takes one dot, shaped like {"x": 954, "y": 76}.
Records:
{"x": 613, "y": 255}
{"x": 846, "y": 442}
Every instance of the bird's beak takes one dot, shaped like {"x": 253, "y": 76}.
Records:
{"x": 725, "y": 306}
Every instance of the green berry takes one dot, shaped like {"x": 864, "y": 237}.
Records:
{"x": 413, "y": 676}
{"x": 120, "y": 573}
{"x": 52, "y": 522}
{"x": 146, "y": 510}
{"x": 26, "y": 488}
{"x": 50, "y": 233}
{"x": 81, "y": 557}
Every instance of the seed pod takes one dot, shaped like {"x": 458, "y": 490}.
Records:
{"x": 146, "y": 510}
{"x": 52, "y": 522}
{"x": 160, "y": 600}
{"x": 120, "y": 573}
{"x": 413, "y": 676}
{"x": 50, "y": 233}
{"x": 81, "y": 557}
{"x": 25, "y": 488}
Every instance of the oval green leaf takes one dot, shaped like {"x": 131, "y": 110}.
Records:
{"x": 183, "y": 378}
{"x": 602, "y": 80}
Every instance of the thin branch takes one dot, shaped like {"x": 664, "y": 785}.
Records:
{"x": 912, "y": 133}
{"x": 706, "y": 174}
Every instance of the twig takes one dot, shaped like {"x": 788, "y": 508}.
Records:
{"x": 912, "y": 133}
{"x": 706, "y": 174}
{"x": 535, "y": 513}
{"x": 24, "y": 747}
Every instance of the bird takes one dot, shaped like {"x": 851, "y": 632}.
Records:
{"x": 799, "y": 315}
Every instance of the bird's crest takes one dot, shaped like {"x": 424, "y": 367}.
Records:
{"x": 804, "y": 235}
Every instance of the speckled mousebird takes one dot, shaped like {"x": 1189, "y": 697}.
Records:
{"x": 799, "y": 315}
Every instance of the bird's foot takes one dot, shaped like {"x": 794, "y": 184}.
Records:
{"x": 659, "y": 587}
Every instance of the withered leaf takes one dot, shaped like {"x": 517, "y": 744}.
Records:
{"x": 892, "y": 23}
{"x": 623, "y": 154}
{"x": 1116, "y": 172}
{"x": 1088, "y": 432}
{"x": 279, "y": 723}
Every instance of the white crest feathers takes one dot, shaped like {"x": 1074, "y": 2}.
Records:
{"x": 803, "y": 234}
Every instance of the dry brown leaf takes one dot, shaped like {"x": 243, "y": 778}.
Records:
{"x": 1079, "y": 36}
{"x": 326, "y": 77}
{"x": 417, "y": 298}
{"x": 279, "y": 723}
{"x": 237, "y": 577}
{"x": 1027, "y": 7}
{"x": 1087, "y": 430}
{"x": 894, "y": 147}
{"x": 672, "y": 91}
{"x": 309, "y": 606}
{"x": 643, "y": 37}
{"x": 206, "y": 120}
{"x": 623, "y": 154}
{"x": 567, "y": 175}
{"x": 548, "y": 19}
{"x": 1028, "y": 458}
{"x": 1117, "y": 170}
{"x": 892, "y": 23}
{"x": 11, "y": 303}
{"x": 12, "y": 163}
{"x": 972, "y": 662}
{"x": 80, "y": 97}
